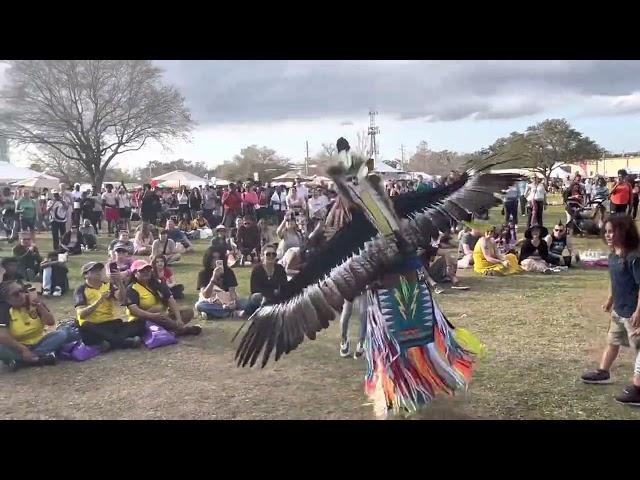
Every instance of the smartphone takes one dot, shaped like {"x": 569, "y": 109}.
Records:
{"x": 219, "y": 263}
{"x": 113, "y": 267}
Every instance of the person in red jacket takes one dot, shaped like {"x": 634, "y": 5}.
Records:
{"x": 232, "y": 204}
{"x": 621, "y": 194}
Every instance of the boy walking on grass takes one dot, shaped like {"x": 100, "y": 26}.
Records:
{"x": 622, "y": 238}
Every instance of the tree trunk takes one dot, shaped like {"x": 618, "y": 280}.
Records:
{"x": 97, "y": 180}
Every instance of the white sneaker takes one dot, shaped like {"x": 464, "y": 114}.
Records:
{"x": 204, "y": 316}
{"x": 344, "y": 349}
{"x": 57, "y": 292}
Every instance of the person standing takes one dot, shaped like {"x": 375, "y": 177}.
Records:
{"x": 26, "y": 211}
{"x": 621, "y": 236}
{"x": 536, "y": 196}
{"x": 209, "y": 199}
{"x": 111, "y": 212}
{"x": 124, "y": 204}
{"x": 77, "y": 204}
{"x": 58, "y": 211}
{"x": 67, "y": 197}
{"x": 636, "y": 198}
{"x": 511, "y": 205}
{"x": 278, "y": 202}
{"x": 621, "y": 194}
{"x": 522, "y": 188}
{"x": 232, "y": 203}
{"x": 96, "y": 216}
{"x": 195, "y": 202}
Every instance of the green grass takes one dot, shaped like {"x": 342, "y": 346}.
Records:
{"x": 541, "y": 333}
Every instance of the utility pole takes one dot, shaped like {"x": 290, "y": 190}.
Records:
{"x": 373, "y": 131}
{"x": 402, "y": 157}
{"x": 306, "y": 161}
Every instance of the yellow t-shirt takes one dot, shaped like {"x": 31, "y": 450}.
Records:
{"x": 144, "y": 298}
{"x": 85, "y": 296}
{"x": 24, "y": 328}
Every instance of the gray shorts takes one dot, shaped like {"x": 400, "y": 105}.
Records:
{"x": 620, "y": 332}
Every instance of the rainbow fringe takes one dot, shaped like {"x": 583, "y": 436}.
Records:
{"x": 405, "y": 379}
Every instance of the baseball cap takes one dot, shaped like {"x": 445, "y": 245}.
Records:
{"x": 90, "y": 266}
{"x": 139, "y": 265}
{"x": 220, "y": 227}
{"x": 120, "y": 248}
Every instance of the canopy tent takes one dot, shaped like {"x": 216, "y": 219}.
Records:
{"x": 290, "y": 176}
{"x": 10, "y": 173}
{"x": 177, "y": 178}
{"x": 425, "y": 176}
{"x": 318, "y": 180}
{"x": 38, "y": 182}
{"x": 525, "y": 172}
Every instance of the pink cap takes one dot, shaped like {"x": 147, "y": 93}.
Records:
{"x": 139, "y": 265}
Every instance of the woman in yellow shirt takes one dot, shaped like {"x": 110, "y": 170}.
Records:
{"x": 23, "y": 338}
{"x": 488, "y": 261}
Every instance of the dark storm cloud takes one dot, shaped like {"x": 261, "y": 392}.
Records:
{"x": 262, "y": 91}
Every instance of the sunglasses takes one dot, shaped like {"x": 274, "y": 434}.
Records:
{"x": 558, "y": 229}
{"x": 270, "y": 254}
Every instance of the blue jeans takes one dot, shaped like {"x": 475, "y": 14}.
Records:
{"x": 345, "y": 316}
{"x": 50, "y": 343}
{"x": 215, "y": 310}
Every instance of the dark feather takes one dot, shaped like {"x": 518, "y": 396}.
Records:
{"x": 411, "y": 202}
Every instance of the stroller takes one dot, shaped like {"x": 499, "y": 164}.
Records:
{"x": 585, "y": 218}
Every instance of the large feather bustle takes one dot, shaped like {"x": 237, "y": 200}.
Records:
{"x": 283, "y": 326}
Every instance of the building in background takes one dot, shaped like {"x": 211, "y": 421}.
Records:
{"x": 609, "y": 166}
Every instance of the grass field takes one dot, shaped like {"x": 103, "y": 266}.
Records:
{"x": 541, "y": 332}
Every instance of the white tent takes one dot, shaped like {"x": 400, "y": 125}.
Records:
{"x": 177, "y": 178}
{"x": 290, "y": 176}
{"x": 41, "y": 181}
{"x": 10, "y": 173}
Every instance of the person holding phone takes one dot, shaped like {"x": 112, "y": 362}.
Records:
{"x": 149, "y": 299}
{"x": 217, "y": 285}
{"x": 24, "y": 340}
{"x": 96, "y": 303}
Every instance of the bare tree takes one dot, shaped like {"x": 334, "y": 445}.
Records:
{"x": 329, "y": 149}
{"x": 362, "y": 147}
{"x": 90, "y": 111}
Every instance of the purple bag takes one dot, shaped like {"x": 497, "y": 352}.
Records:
{"x": 77, "y": 351}
{"x": 156, "y": 336}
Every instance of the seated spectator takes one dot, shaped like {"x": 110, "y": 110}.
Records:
{"x": 467, "y": 242}
{"x": 220, "y": 241}
{"x": 148, "y": 299}
{"x": 217, "y": 284}
{"x": 23, "y": 338}
{"x": 268, "y": 278}
{"x": 121, "y": 263}
{"x": 166, "y": 247}
{"x": 72, "y": 242}
{"x": 54, "y": 276}
{"x": 202, "y": 225}
{"x": 184, "y": 225}
{"x": 534, "y": 251}
{"x": 267, "y": 233}
{"x": 150, "y": 227}
{"x": 289, "y": 234}
{"x": 178, "y": 236}
{"x": 560, "y": 247}
{"x": 439, "y": 268}
{"x": 317, "y": 202}
{"x": 507, "y": 239}
{"x": 11, "y": 271}
{"x": 28, "y": 257}
{"x": 89, "y": 234}
{"x": 488, "y": 261}
{"x": 165, "y": 275}
{"x": 97, "y": 303}
{"x": 122, "y": 241}
{"x": 248, "y": 240}
{"x": 143, "y": 241}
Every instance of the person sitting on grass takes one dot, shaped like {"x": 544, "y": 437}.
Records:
{"x": 24, "y": 340}
{"x": 621, "y": 236}
{"x": 28, "y": 257}
{"x": 220, "y": 242}
{"x": 217, "y": 285}
{"x": 440, "y": 268}
{"x": 72, "y": 242}
{"x": 202, "y": 225}
{"x": 96, "y": 303}
{"x": 148, "y": 299}
{"x": 488, "y": 261}
{"x": 143, "y": 240}
{"x": 11, "y": 271}
{"x": 268, "y": 278}
{"x": 122, "y": 261}
{"x": 184, "y": 225}
{"x": 248, "y": 240}
{"x": 165, "y": 275}
{"x": 560, "y": 247}
{"x": 178, "y": 236}
{"x": 122, "y": 241}
{"x": 89, "y": 234}
{"x": 166, "y": 247}
{"x": 148, "y": 227}
{"x": 55, "y": 280}
{"x": 466, "y": 243}
{"x": 534, "y": 251}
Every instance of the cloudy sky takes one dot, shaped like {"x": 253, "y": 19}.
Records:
{"x": 457, "y": 105}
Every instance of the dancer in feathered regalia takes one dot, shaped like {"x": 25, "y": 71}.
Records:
{"x": 412, "y": 351}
